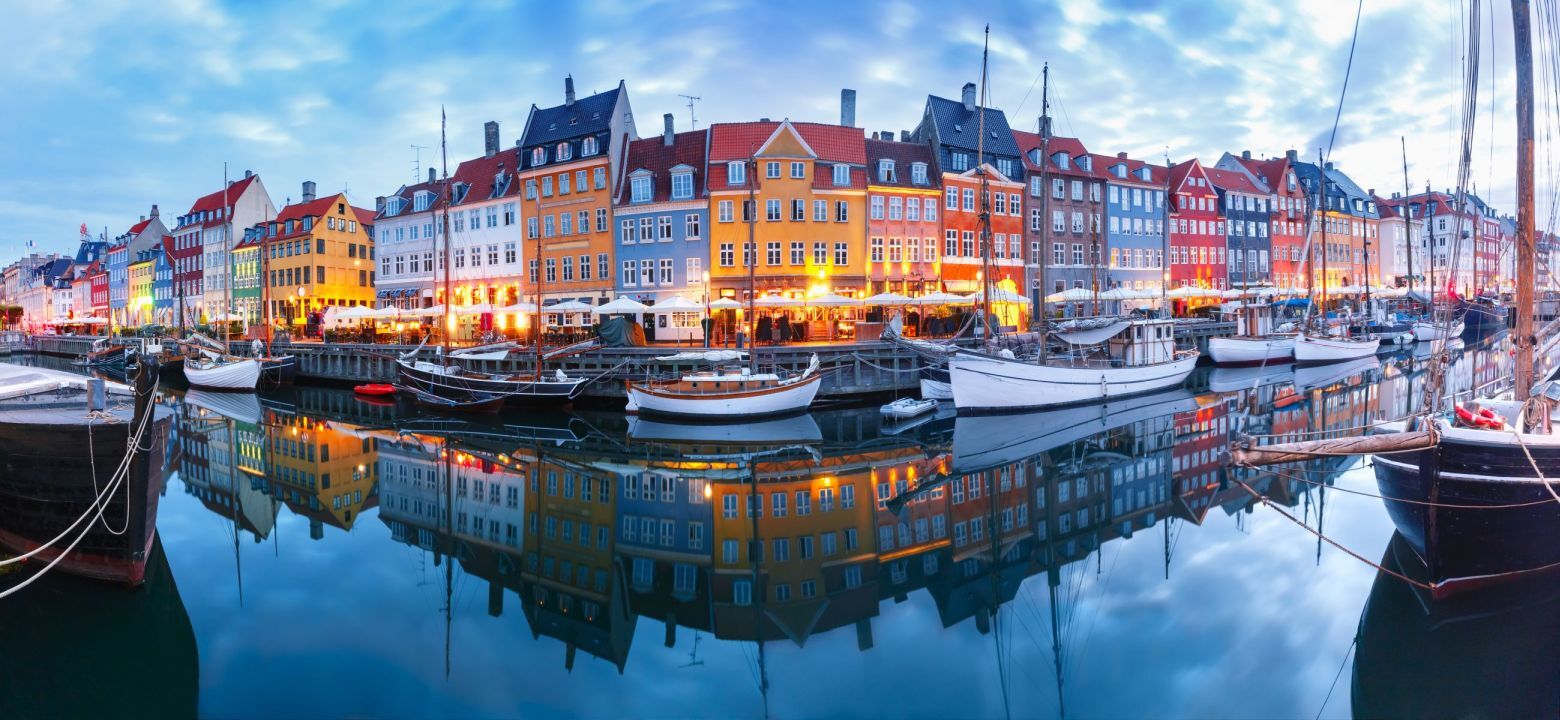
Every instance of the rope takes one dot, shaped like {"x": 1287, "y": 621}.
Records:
{"x": 1341, "y": 666}
{"x": 1426, "y": 503}
{"x": 883, "y": 368}
{"x": 1541, "y": 479}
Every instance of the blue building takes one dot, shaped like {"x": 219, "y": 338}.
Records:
{"x": 118, "y": 264}
{"x": 665, "y": 538}
{"x": 1243, "y": 201}
{"x": 162, "y": 282}
{"x": 662, "y": 234}
{"x": 1134, "y": 222}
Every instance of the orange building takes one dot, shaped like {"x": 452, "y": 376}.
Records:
{"x": 808, "y": 188}
{"x": 569, "y": 166}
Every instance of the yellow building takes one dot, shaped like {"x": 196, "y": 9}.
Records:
{"x": 806, "y": 185}
{"x": 324, "y": 474}
{"x": 319, "y": 253}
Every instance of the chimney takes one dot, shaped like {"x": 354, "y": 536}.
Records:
{"x": 433, "y": 175}
{"x": 668, "y": 134}
{"x": 904, "y": 136}
{"x": 379, "y": 204}
{"x": 568, "y": 90}
{"x": 1245, "y": 154}
{"x": 1292, "y": 155}
{"x": 490, "y": 138}
{"x": 1328, "y": 165}
{"x": 1045, "y": 126}
{"x": 848, "y": 107}
{"x": 887, "y": 135}
{"x": 969, "y": 97}
{"x": 154, "y": 210}
{"x": 308, "y": 191}
{"x": 142, "y": 220}
{"x": 1121, "y": 156}
{"x": 1371, "y": 192}
{"x": 248, "y": 174}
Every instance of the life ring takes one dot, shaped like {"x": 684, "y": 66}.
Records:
{"x": 1466, "y": 417}
{"x": 1488, "y": 419}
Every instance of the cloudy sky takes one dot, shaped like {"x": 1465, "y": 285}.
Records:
{"x": 113, "y": 105}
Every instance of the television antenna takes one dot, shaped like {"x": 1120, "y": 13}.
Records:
{"x": 417, "y": 163}
{"x": 693, "y": 121}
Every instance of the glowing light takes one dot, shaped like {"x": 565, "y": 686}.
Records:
{"x": 709, "y": 491}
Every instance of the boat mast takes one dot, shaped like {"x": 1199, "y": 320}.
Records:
{"x": 1321, "y": 194}
{"x": 1045, "y": 194}
{"x": 537, "y": 334}
{"x": 752, "y": 258}
{"x": 985, "y": 194}
{"x": 444, "y": 155}
{"x": 1523, "y": 340}
{"x": 227, "y": 263}
{"x": 265, "y": 286}
{"x": 1408, "y": 216}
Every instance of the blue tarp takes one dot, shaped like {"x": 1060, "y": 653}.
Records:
{"x": 1296, "y": 302}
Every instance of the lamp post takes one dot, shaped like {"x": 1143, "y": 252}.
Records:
{"x": 709, "y": 323}
{"x": 302, "y": 311}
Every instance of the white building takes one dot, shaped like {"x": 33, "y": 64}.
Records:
{"x": 408, "y": 233}
{"x": 204, "y": 236}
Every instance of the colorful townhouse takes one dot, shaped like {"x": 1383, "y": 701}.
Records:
{"x": 1287, "y": 203}
{"x": 1346, "y": 216}
{"x": 97, "y": 280}
{"x": 951, "y": 129}
{"x": 1402, "y": 260}
{"x": 1197, "y": 243}
{"x": 408, "y": 241}
{"x": 904, "y": 227}
{"x": 162, "y": 281}
{"x": 1243, "y": 202}
{"x": 804, "y": 186}
{"x": 663, "y": 216}
{"x": 320, "y": 254}
{"x": 1072, "y": 234}
{"x": 117, "y": 264}
{"x": 202, "y": 237}
{"x": 248, "y": 295}
{"x": 1135, "y": 215}
{"x": 1486, "y": 257}
{"x": 487, "y": 249}
{"x": 570, "y": 168}
{"x": 140, "y": 308}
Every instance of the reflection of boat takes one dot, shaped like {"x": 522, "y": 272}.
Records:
{"x": 468, "y": 404}
{"x": 1141, "y": 360}
{"x": 1318, "y": 376}
{"x": 374, "y": 389}
{"x": 454, "y": 381}
{"x": 139, "y": 646}
{"x": 726, "y": 393}
{"x": 1489, "y": 654}
{"x": 59, "y": 450}
{"x": 1235, "y": 379}
{"x": 243, "y": 408}
{"x": 796, "y": 428}
{"x": 982, "y": 442}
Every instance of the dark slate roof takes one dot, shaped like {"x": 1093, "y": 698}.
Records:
{"x": 957, "y": 127}
{"x": 654, "y": 155}
{"x": 408, "y": 192}
{"x": 587, "y": 116}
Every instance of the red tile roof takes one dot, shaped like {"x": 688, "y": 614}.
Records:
{"x": 213, "y": 201}
{"x": 1232, "y": 181}
{"x": 904, "y": 154}
{"x": 654, "y": 155}
{"x": 313, "y": 208}
{"x": 1180, "y": 170}
{"x": 138, "y": 227}
{"x": 1029, "y": 142}
{"x": 478, "y": 174}
{"x": 832, "y": 144}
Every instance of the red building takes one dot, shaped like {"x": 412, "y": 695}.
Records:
{"x": 904, "y": 227}
{"x": 1197, "y": 244}
{"x": 962, "y": 254}
{"x": 97, "y": 283}
{"x": 1287, "y": 207}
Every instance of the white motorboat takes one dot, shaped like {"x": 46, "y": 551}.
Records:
{"x": 232, "y": 374}
{"x": 1251, "y": 350}
{"x": 1426, "y": 331}
{"x": 1317, "y": 349}
{"x": 905, "y": 408}
{"x": 1141, "y": 360}
{"x": 726, "y": 393}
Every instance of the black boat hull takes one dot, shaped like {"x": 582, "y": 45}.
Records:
{"x": 1493, "y": 519}
{"x": 281, "y": 370}
{"x": 522, "y": 393}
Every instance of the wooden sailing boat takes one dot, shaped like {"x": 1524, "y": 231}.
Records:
{"x": 730, "y": 392}
{"x": 1140, "y": 358}
{"x": 451, "y": 380}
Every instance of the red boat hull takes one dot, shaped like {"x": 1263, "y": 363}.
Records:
{"x": 375, "y": 390}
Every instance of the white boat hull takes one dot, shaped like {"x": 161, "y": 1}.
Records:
{"x": 1430, "y": 332}
{"x": 936, "y": 390}
{"x": 901, "y": 410}
{"x": 986, "y": 383}
{"x": 794, "y": 397}
{"x": 242, "y": 375}
{"x": 1251, "y": 350}
{"x": 1309, "y": 349}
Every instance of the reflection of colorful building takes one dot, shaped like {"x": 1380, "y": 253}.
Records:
{"x": 321, "y": 473}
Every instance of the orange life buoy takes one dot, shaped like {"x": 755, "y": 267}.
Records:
{"x": 1466, "y": 417}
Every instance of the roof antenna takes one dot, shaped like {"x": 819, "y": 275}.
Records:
{"x": 693, "y": 122}
{"x": 417, "y": 163}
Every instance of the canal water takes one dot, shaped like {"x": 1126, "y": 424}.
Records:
{"x": 320, "y": 555}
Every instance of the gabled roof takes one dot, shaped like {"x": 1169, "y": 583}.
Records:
{"x": 138, "y": 227}
{"x": 1180, "y": 170}
{"x": 587, "y": 116}
{"x": 1031, "y": 144}
{"x": 1104, "y": 163}
{"x": 408, "y": 192}
{"x": 654, "y": 155}
{"x": 732, "y": 142}
{"x": 478, "y": 174}
{"x": 958, "y": 127}
{"x": 904, "y": 155}
{"x": 213, "y": 201}
{"x": 1231, "y": 181}
{"x": 1386, "y": 207}
{"x": 314, "y": 208}
{"x": 1270, "y": 171}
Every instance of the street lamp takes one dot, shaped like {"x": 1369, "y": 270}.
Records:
{"x": 709, "y": 324}
{"x": 301, "y": 309}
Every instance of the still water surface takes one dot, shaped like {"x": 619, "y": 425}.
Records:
{"x": 322, "y": 556}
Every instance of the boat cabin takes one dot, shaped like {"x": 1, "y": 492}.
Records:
{"x": 1146, "y": 342}
{"x": 725, "y": 380}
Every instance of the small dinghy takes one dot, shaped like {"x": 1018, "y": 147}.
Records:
{"x": 472, "y": 404}
{"x": 375, "y": 389}
{"x": 905, "y": 408}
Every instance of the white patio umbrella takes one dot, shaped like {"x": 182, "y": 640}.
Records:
{"x": 941, "y": 298}
{"x": 567, "y": 306}
{"x": 477, "y": 309}
{"x": 887, "y": 299}
{"x": 621, "y": 306}
{"x": 525, "y": 308}
{"x": 1003, "y": 296}
{"x": 833, "y": 300}
{"x": 1121, "y": 293}
{"x": 1185, "y": 291}
{"x": 430, "y": 311}
{"x": 1076, "y": 294}
{"x": 725, "y": 304}
{"x": 776, "y": 301}
{"x": 677, "y": 303}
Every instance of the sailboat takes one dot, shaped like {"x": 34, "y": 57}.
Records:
{"x": 1257, "y": 344}
{"x": 220, "y": 370}
{"x": 1318, "y": 344}
{"x": 454, "y": 382}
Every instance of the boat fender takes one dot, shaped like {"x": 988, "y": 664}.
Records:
{"x": 1006, "y": 354}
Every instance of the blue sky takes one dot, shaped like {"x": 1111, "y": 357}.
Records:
{"x": 114, "y": 105}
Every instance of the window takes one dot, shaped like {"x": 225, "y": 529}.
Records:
{"x": 875, "y": 250}
{"x": 876, "y": 208}
{"x": 841, "y": 176}
{"x": 841, "y": 211}
{"x": 742, "y": 592}
{"x": 895, "y": 208}
{"x": 830, "y": 543}
{"x": 691, "y": 229}
{"x": 931, "y": 209}
{"x": 640, "y": 189}
{"x": 847, "y": 496}
{"x": 772, "y": 252}
{"x": 646, "y": 273}
{"x": 664, "y": 228}
{"x": 820, "y": 253}
{"x": 918, "y": 173}
{"x": 588, "y": 147}
{"x": 728, "y": 550}
{"x": 841, "y": 252}
{"x": 820, "y": 210}
{"x": 960, "y": 161}
{"x": 727, "y": 255}
{"x": 772, "y": 210}
{"x": 736, "y": 173}
{"x": 724, "y": 211}
{"x": 798, "y": 254}
{"x": 627, "y": 231}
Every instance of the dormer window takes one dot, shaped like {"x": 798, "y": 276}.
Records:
{"x": 841, "y": 175}
{"x": 1086, "y": 163}
{"x": 960, "y": 161}
{"x": 1291, "y": 180}
{"x": 500, "y": 184}
{"x": 462, "y": 188}
{"x": 886, "y": 171}
{"x": 736, "y": 173}
{"x": 918, "y": 173}
{"x": 539, "y": 156}
{"x": 588, "y": 147}
{"x": 1119, "y": 171}
{"x": 1062, "y": 160}
{"x": 392, "y": 207}
{"x": 421, "y": 200}
{"x": 563, "y": 151}
{"x": 639, "y": 187}
{"x": 682, "y": 185}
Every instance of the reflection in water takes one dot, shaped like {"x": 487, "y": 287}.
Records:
{"x": 798, "y": 535}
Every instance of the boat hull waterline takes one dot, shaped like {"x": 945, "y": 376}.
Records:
{"x": 983, "y": 383}
{"x": 1325, "y": 350}
{"x": 1251, "y": 350}
{"x": 791, "y": 397}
